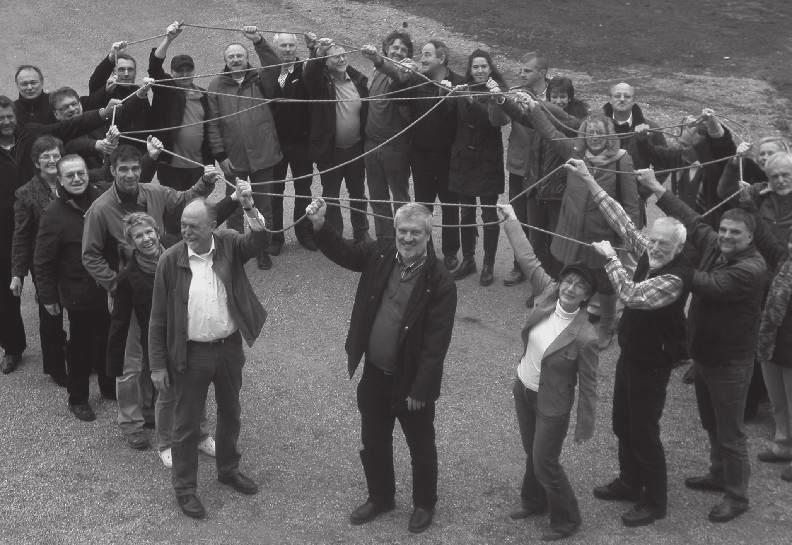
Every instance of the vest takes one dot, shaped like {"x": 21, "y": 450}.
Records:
{"x": 657, "y": 337}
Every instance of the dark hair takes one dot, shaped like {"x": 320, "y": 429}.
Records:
{"x": 741, "y": 216}
{"x": 44, "y": 143}
{"x": 6, "y": 102}
{"x": 125, "y": 56}
{"x": 399, "y": 34}
{"x": 560, "y": 85}
{"x": 61, "y": 93}
{"x": 29, "y": 67}
{"x": 67, "y": 158}
{"x": 440, "y": 49}
{"x": 125, "y": 152}
{"x": 494, "y": 72}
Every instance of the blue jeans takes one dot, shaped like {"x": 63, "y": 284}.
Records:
{"x": 720, "y": 393}
{"x": 545, "y": 484}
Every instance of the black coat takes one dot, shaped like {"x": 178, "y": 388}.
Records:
{"x": 319, "y": 84}
{"x": 292, "y": 120}
{"x": 57, "y": 260}
{"x": 427, "y": 324}
{"x": 134, "y": 115}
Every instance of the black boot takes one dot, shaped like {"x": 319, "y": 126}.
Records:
{"x": 466, "y": 268}
{"x": 487, "y": 276}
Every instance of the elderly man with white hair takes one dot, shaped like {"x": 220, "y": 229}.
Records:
{"x": 652, "y": 337}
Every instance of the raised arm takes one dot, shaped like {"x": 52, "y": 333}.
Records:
{"x": 523, "y": 251}
{"x": 342, "y": 252}
{"x": 104, "y": 69}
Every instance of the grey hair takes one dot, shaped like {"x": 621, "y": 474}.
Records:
{"x": 414, "y": 211}
{"x": 278, "y": 36}
{"x": 680, "y": 233}
{"x": 780, "y": 157}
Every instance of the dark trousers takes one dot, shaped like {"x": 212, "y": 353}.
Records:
{"x": 430, "y": 182}
{"x": 87, "y": 351}
{"x": 353, "y": 175}
{"x": 545, "y": 484}
{"x": 544, "y": 214}
{"x": 300, "y": 166}
{"x": 12, "y": 330}
{"x": 469, "y": 234}
{"x": 377, "y": 417}
{"x": 263, "y": 202}
{"x": 207, "y": 363}
{"x": 639, "y": 395}
{"x": 179, "y": 179}
{"x": 53, "y": 343}
{"x": 720, "y": 394}
{"x": 388, "y": 178}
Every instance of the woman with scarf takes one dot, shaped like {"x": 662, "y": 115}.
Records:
{"x": 62, "y": 281}
{"x": 134, "y": 294}
{"x": 580, "y": 217}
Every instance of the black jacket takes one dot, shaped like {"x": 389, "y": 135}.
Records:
{"x": 167, "y": 110}
{"x": 134, "y": 115}
{"x": 428, "y": 319}
{"x": 37, "y": 110}
{"x": 57, "y": 260}
{"x": 437, "y": 130}
{"x": 319, "y": 84}
{"x": 292, "y": 120}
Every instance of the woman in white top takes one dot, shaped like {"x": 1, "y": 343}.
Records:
{"x": 560, "y": 351}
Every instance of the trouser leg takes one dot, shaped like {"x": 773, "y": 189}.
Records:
{"x": 53, "y": 343}
{"x": 331, "y": 188}
{"x": 228, "y": 383}
{"x": 12, "y": 329}
{"x": 628, "y": 465}
{"x": 377, "y": 182}
{"x": 419, "y": 431}
{"x": 276, "y": 200}
{"x": 130, "y": 389}
{"x": 80, "y": 349}
{"x": 354, "y": 177}
{"x": 491, "y": 232}
{"x": 469, "y": 233}
{"x": 532, "y": 493}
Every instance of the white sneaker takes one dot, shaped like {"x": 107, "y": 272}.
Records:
{"x": 166, "y": 457}
{"x": 207, "y": 446}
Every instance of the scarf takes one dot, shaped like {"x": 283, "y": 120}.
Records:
{"x": 146, "y": 263}
{"x": 605, "y": 158}
{"x": 775, "y": 310}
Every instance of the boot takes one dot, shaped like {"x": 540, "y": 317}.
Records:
{"x": 466, "y": 268}
{"x": 487, "y": 276}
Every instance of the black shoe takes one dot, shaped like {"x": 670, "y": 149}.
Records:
{"x": 466, "y": 268}
{"x": 554, "y": 534}
{"x": 706, "y": 482}
{"x": 770, "y": 456}
{"x": 240, "y": 483}
{"x": 514, "y": 277}
{"x": 109, "y": 393}
{"x": 524, "y": 511}
{"x": 10, "y": 362}
{"x": 641, "y": 515}
{"x": 451, "y": 262}
{"x": 690, "y": 375}
{"x": 726, "y": 511}
{"x": 264, "y": 262}
{"x": 617, "y": 490}
{"x": 363, "y": 238}
{"x": 307, "y": 242}
{"x": 275, "y": 248}
{"x": 486, "y": 277}
{"x": 420, "y": 520}
{"x": 83, "y": 411}
{"x": 369, "y": 511}
{"x": 138, "y": 440}
{"x": 191, "y": 506}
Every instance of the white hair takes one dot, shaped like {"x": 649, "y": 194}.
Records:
{"x": 281, "y": 35}
{"x": 414, "y": 211}
{"x": 680, "y": 233}
{"x": 782, "y": 157}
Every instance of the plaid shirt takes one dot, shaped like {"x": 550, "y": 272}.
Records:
{"x": 655, "y": 292}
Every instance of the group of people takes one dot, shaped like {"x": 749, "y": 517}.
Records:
{"x": 159, "y": 302}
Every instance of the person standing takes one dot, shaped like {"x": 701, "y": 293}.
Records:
{"x": 401, "y": 326}
{"x": 203, "y": 306}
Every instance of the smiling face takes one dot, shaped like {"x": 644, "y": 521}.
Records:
{"x": 196, "y": 227}
{"x": 127, "y": 175}
{"x": 559, "y": 98}
{"x": 8, "y": 121}
{"x": 767, "y": 150}
{"x": 397, "y": 50}
{"x": 596, "y": 137}
{"x": 29, "y": 83}
{"x": 664, "y": 245}
{"x": 733, "y": 237}
{"x": 73, "y": 176}
{"x": 145, "y": 238}
{"x": 431, "y": 63}
{"x": 67, "y": 107}
{"x": 779, "y": 176}
{"x": 236, "y": 57}
{"x": 572, "y": 291}
{"x": 336, "y": 62}
{"x": 47, "y": 163}
{"x": 411, "y": 238}
{"x": 480, "y": 70}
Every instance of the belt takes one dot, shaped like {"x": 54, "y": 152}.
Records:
{"x": 218, "y": 341}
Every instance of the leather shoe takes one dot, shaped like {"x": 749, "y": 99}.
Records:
{"x": 451, "y": 262}
{"x": 726, "y": 511}
{"x": 554, "y": 534}
{"x": 705, "y": 482}
{"x": 617, "y": 490}
{"x": 10, "y": 362}
{"x": 524, "y": 511}
{"x": 768, "y": 455}
{"x": 369, "y": 511}
{"x": 420, "y": 520}
{"x": 191, "y": 506}
{"x": 240, "y": 483}
{"x": 486, "y": 277}
{"x": 83, "y": 411}
{"x": 514, "y": 277}
{"x": 264, "y": 262}
{"x": 275, "y": 248}
{"x": 138, "y": 440}
{"x": 641, "y": 515}
{"x": 466, "y": 268}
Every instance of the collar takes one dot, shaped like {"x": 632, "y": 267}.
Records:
{"x": 290, "y": 68}
{"x": 627, "y": 123}
{"x": 205, "y": 256}
{"x": 407, "y": 270}
{"x": 563, "y": 314}
{"x": 117, "y": 197}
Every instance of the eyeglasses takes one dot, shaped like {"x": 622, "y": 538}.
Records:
{"x": 68, "y": 106}
{"x": 50, "y": 157}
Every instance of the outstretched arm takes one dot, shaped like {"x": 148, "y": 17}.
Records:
{"x": 523, "y": 251}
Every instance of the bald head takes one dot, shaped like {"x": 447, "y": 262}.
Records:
{"x": 197, "y": 223}
{"x": 622, "y": 98}
{"x": 285, "y": 46}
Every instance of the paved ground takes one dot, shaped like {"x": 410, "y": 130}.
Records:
{"x": 63, "y": 482}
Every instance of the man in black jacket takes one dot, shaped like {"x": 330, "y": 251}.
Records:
{"x": 401, "y": 321}
{"x": 728, "y": 289}
{"x": 16, "y": 168}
